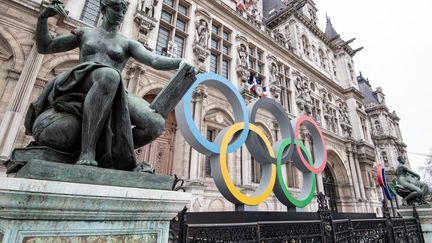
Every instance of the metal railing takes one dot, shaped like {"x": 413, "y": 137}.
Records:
{"x": 323, "y": 226}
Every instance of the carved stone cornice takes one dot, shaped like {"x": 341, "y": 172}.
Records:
{"x": 146, "y": 24}
{"x": 200, "y": 93}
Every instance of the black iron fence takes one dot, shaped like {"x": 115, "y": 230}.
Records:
{"x": 323, "y": 226}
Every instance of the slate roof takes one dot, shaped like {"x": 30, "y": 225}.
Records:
{"x": 367, "y": 91}
{"x": 330, "y": 31}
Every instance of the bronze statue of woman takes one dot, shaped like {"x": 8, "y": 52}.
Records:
{"x": 410, "y": 181}
{"x": 86, "y": 109}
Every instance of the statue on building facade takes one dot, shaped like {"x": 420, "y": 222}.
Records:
{"x": 274, "y": 75}
{"x": 203, "y": 33}
{"x": 304, "y": 99}
{"x": 147, "y": 7}
{"x": 409, "y": 186}
{"x": 86, "y": 111}
{"x": 243, "y": 56}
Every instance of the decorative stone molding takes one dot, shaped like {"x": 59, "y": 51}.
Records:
{"x": 200, "y": 93}
{"x": 242, "y": 59}
{"x": 134, "y": 72}
{"x": 326, "y": 104}
{"x": 344, "y": 119}
{"x": 303, "y": 94}
{"x": 146, "y": 7}
{"x": 145, "y": 20}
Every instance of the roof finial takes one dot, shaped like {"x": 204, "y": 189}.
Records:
{"x": 328, "y": 18}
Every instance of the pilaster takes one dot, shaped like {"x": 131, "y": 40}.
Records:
{"x": 195, "y": 165}
{"x": 15, "y": 112}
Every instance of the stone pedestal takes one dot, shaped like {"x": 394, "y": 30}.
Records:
{"x": 48, "y": 211}
{"x": 425, "y": 215}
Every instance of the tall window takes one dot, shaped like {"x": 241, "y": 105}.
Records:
{"x": 91, "y": 12}
{"x": 364, "y": 128}
{"x": 286, "y": 93}
{"x": 323, "y": 59}
{"x": 291, "y": 174}
{"x": 256, "y": 62}
{"x": 173, "y": 28}
{"x": 256, "y": 171}
{"x": 162, "y": 43}
{"x": 220, "y": 58}
{"x": 213, "y": 63}
{"x": 211, "y": 133}
{"x": 330, "y": 188}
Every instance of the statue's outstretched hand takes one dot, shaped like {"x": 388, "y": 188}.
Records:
{"x": 49, "y": 11}
{"x": 55, "y": 8}
{"x": 192, "y": 70}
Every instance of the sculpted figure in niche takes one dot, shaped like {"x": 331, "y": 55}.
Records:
{"x": 203, "y": 33}
{"x": 409, "y": 187}
{"x": 343, "y": 113}
{"x": 147, "y": 7}
{"x": 243, "y": 55}
{"x": 378, "y": 127}
{"x": 86, "y": 109}
{"x": 273, "y": 74}
{"x": 299, "y": 89}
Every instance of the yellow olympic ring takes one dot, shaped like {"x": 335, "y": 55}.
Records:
{"x": 266, "y": 188}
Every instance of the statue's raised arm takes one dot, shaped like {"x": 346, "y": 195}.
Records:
{"x": 45, "y": 43}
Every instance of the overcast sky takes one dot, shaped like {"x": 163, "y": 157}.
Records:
{"x": 397, "y": 36}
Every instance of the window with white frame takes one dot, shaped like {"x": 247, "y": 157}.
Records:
{"x": 286, "y": 92}
{"x": 256, "y": 62}
{"x": 220, "y": 47}
{"x": 173, "y": 28}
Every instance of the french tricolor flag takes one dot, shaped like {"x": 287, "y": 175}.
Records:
{"x": 251, "y": 83}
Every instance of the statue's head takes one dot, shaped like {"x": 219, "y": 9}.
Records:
{"x": 114, "y": 10}
{"x": 402, "y": 159}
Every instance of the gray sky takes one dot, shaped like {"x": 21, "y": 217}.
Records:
{"x": 397, "y": 36}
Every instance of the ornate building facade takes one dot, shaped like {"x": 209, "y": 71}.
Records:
{"x": 265, "y": 48}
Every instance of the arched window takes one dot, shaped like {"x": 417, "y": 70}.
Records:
{"x": 91, "y": 12}
{"x": 330, "y": 188}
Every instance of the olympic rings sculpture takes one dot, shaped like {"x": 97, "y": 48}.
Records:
{"x": 271, "y": 158}
{"x": 388, "y": 190}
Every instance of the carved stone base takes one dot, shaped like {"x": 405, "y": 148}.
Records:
{"x": 44, "y": 211}
{"x": 44, "y": 170}
{"x": 201, "y": 54}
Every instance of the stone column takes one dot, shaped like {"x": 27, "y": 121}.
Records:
{"x": 198, "y": 98}
{"x": 17, "y": 107}
{"x": 354, "y": 175}
{"x": 361, "y": 184}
